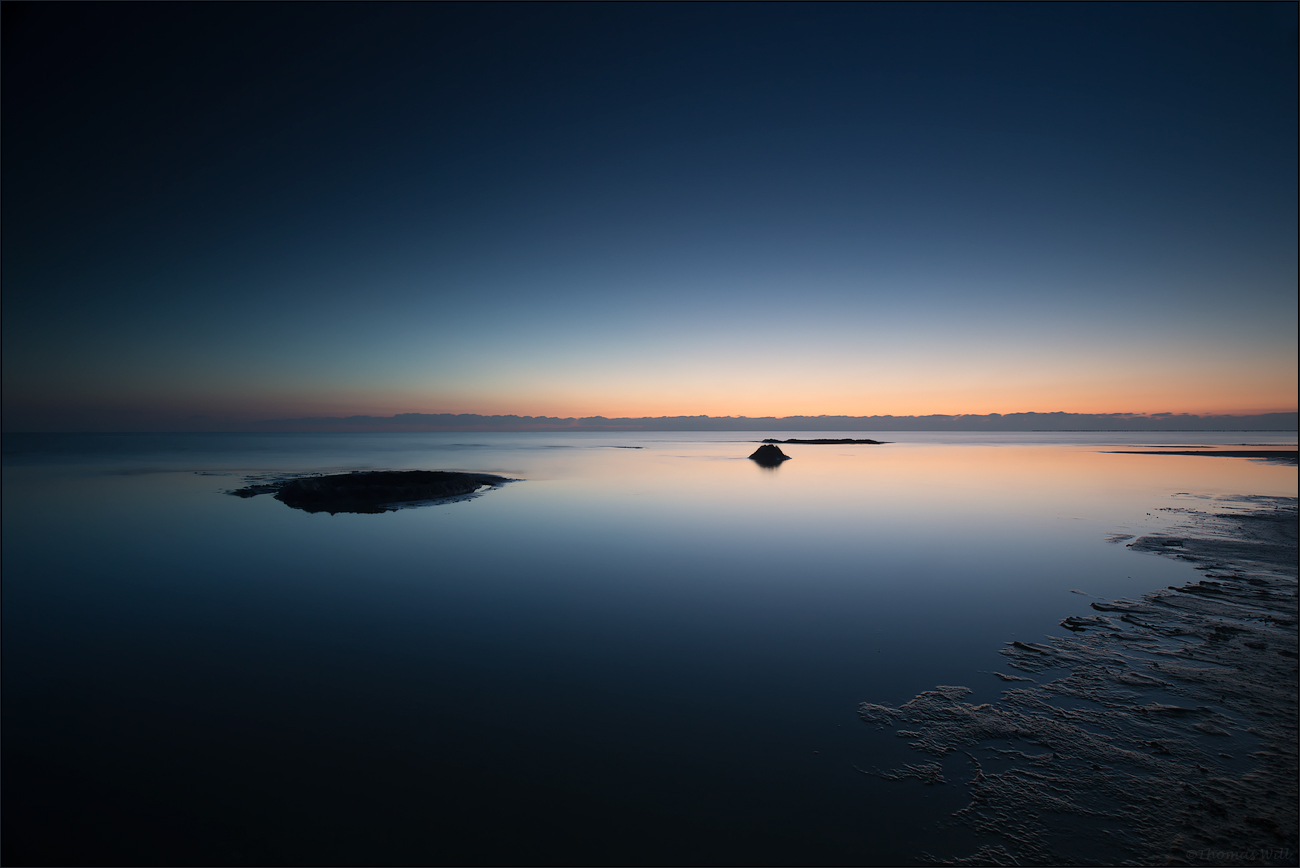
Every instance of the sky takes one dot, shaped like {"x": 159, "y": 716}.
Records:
{"x": 222, "y": 213}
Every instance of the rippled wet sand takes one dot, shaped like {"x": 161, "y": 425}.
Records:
{"x": 1162, "y": 731}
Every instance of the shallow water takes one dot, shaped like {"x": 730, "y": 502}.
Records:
{"x": 633, "y": 655}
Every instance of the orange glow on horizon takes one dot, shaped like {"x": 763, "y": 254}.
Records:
{"x": 628, "y": 406}
{"x": 808, "y": 390}
{"x": 561, "y": 403}
{"x": 717, "y": 394}
{"x": 579, "y": 409}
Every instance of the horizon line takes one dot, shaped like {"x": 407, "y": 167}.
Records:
{"x": 1026, "y": 421}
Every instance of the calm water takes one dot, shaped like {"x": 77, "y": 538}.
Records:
{"x": 648, "y": 655}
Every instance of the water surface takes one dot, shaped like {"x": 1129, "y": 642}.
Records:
{"x": 645, "y": 655}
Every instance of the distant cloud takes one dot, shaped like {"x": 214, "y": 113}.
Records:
{"x": 1056, "y": 421}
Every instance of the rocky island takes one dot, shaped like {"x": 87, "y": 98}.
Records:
{"x": 371, "y": 491}
{"x": 769, "y": 456}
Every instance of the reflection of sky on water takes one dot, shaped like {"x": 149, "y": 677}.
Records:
{"x": 641, "y": 645}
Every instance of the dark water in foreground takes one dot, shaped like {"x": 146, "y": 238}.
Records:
{"x": 632, "y": 656}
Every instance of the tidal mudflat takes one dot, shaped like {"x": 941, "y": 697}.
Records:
{"x": 651, "y": 655}
{"x": 1162, "y": 731}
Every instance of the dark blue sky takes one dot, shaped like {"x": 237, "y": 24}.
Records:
{"x": 242, "y": 211}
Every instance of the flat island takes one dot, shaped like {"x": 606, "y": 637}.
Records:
{"x": 371, "y": 491}
{"x": 823, "y": 441}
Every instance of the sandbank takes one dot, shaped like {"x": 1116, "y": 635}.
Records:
{"x": 1275, "y": 456}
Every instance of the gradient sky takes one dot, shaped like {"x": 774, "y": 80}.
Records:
{"x": 246, "y": 211}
